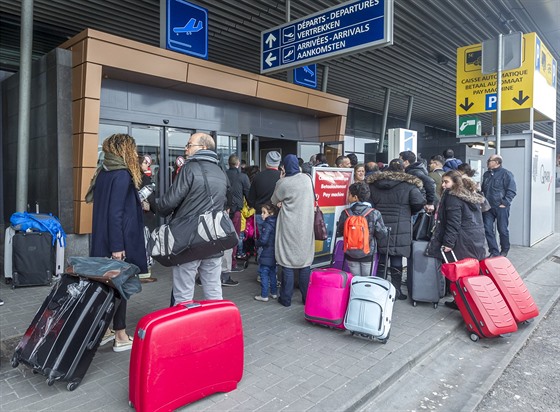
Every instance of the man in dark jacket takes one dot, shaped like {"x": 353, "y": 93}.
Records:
{"x": 397, "y": 196}
{"x": 415, "y": 168}
{"x": 498, "y": 186}
{"x": 263, "y": 185}
{"x": 239, "y": 187}
{"x": 188, "y": 196}
{"x": 450, "y": 162}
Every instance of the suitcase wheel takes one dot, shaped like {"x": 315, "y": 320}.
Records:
{"x": 15, "y": 362}
{"x": 50, "y": 382}
{"x": 435, "y": 305}
{"x": 130, "y": 404}
{"x": 414, "y": 303}
{"x": 474, "y": 337}
{"x": 72, "y": 385}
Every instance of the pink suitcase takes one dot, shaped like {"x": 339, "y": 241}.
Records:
{"x": 185, "y": 353}
{"x": 327, "y": 297}
{"x": 511, "y": 286}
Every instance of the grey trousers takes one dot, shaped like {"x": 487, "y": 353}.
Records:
{"x": 359, "y": 268}
{"x": 184, "y": 275}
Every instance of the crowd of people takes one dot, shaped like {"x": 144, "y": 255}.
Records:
{"x": 273, "y": 209}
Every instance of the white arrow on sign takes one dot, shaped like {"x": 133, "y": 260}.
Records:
{"x": 270, "y": 39}
{"x": 269, "y": 59}
{"x": 467, "y": 123}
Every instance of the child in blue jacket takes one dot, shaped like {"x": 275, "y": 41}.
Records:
{"x": 267, "y": 260}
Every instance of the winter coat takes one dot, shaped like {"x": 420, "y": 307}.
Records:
{"x": 150, "y": 220}
{"x": 459, "y": 225}
{"x": 239, "y": 183}
{"x": 397, "y": 196}
{"x": 376, "y": 227}
{"x": 498, "y": 185}
{"x": 295, "y": 239}
{"x": 262, "y": 188}
{"x": 266, "y": 241}
{"x": 429, "y": 186}
{"x": 187, "y": 195}
{"x": 117, "y": 218}
{"x": 436, "y": 176}
{"x": 451, "y": 164}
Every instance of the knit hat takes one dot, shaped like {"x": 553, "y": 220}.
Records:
{"x": 273, "y": 159}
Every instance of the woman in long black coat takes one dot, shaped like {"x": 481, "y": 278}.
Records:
{"x": 397, "y": 196}
{"x": 459, "y": 219}
{"x": 118, "y": 228}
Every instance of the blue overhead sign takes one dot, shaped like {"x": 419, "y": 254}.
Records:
{"x": 340, "y": 30}
{"x": 187, "y": 28}
{"x": 306, "y": 76}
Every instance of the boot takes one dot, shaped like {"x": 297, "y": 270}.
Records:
{"x": 396, "y": 280}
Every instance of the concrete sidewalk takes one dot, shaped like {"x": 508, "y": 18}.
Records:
{"x": 289, "y": 363}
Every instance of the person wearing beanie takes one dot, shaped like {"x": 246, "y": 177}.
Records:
{"x": 263, "y": 185}
{"x": 295, "y": 238}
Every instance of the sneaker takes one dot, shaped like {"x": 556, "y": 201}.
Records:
{"x": 230, "y": 282}
{"x": 261, "y": 299}
{"x": 401, "y": 296}
{"x": 122, "y": 346}
{"x": 259, "y": 278}
{"x": 504, "y": 253}
{"x": 1, "y": 302}
{"x": 237, "y": 269}
{"x": 108, "y": 337}
{"x": 245, "y": 264}
{"x": 241, "y": 257}
{"x": 451, "y": 304}
{"x": 274, "y": 296}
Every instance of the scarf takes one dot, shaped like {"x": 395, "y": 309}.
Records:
{"x": 110, "y": 163}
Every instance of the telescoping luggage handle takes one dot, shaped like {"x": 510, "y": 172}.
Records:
{"x": 445, "y": 256}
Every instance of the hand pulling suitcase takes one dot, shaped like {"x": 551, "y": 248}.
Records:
{"x": 511, "y": 286}
{"x": 370, "y": 308}
{"x": 33, "y": 259}
{"x": 425, "y": 282}
{"x": 327, "y": 297}
{"x": 484, "y": 311}
{"x": 64, "y": 335}
{"x": 184, "y": 353}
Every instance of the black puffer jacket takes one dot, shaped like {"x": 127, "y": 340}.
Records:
{"x": 187, "y": 195}
{"x": 459, "y": 225}
{"x": 429, "y": 190}
{"x": 397, "y": 196}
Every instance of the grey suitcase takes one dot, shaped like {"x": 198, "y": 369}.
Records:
{"x": 370, "y": 308}
{"x": 424, "y": 281}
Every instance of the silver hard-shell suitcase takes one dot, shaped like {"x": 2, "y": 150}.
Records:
{"x": 370, "y": 308}
{"x": 424, "y": 281}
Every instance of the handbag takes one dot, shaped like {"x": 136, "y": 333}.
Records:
{"x": 459, "y": 268}
{"x": 319, "y": 226}
{"x": 189, "y": 238}
{"x": 423, "y": 227}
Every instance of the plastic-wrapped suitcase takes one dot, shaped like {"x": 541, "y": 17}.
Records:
{"x": 338, "y": 261}
{"x": 184, "y": 353}
{"x": 64, "y": 335}
{"x": 512, "y": 287}
{"x": 484, "y": 311}
{"x": 425, "y": 282}
{"x": 327, "y": 297}
{"x": 33, "y": 259}
{"x": 370, "y": 308}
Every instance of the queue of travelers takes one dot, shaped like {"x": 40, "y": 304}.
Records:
{"x": 266, "y": 205}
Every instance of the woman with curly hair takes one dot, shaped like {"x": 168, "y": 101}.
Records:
{"x": 118, "y": 228}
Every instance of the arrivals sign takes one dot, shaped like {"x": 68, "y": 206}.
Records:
{"x": 347, "y": 28}
{"x": 533, "y": 85}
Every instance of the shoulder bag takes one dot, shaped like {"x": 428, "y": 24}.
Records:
{"x": 319, "y": 226}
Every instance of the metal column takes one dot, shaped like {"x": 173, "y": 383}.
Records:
{"x": 409, "y": 111}
{"x": 384, "y": 123}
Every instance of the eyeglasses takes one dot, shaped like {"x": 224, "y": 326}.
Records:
{"x": 189, "y": 145}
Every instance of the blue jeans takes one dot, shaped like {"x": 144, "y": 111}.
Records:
{"x": 268, "y": 280}
{"x": 287, "y": 287}
{"x": 240, "y": 246}
{"x": 501, "y": 215}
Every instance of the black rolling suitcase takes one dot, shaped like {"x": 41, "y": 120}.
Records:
{"x": 64, "y": 335}
{"x": 33, "y": 259}
{"x": 424, "y": 280}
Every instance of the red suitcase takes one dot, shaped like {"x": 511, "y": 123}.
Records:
{"x": 185, "y": 353}
{"x": 483, "y": 309}
{"x": 512, "y": 287}
{"x": 327, "y": 297}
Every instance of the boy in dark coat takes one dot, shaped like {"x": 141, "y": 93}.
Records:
{"x": 267, "y": 259}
